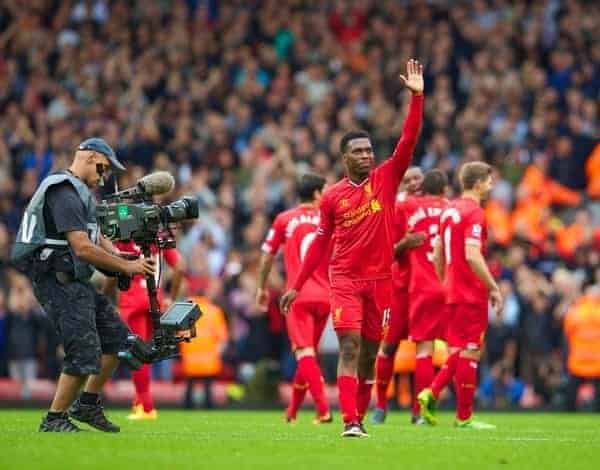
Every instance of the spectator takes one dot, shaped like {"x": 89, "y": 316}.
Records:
{"x": 3, "y": 336}
{"x": 22, "y": 335}
{"x": 201, "y": 358}
{"x": 582, "y": 330}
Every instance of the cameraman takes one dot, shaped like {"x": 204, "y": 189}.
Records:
{"x": 58, "y": 245}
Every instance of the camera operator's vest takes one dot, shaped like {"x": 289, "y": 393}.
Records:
{"x": 32, "y": 238}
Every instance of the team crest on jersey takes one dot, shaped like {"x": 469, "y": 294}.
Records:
{"x": 344, "y": 203}
{"x": 375, "y": 205}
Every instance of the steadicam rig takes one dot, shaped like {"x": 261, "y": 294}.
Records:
{"x": 176, "y": 325}
{"x": 131, "y": 214}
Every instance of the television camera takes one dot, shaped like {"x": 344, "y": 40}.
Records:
{"x": 131, "y": 214}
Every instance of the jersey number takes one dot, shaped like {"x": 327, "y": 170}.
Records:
{"x": 305, "y": 243}
{"x": 27, "y": 227}
{"x": 433, "y": 233}
{"x": 454, "y": 216}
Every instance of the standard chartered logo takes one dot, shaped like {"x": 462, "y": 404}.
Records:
{"x": 356, "y": 215}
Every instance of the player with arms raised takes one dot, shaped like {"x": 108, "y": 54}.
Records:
{"x": 306, "y": 320}
{"x": 397, "y": 329}
{"x": 459, "y": 259}
{"x": 357, "y": 212}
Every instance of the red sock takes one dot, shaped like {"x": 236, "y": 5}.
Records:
{"x": 363, "y": 397}
{"x": 423, "y": 378}
{"x": 444, "y": 376}
{"x": 311, "y": 373}
{"x": 384, "y": 369}
{"x": 466, "y": 385}
{"x": 299, "y": 388}
{"x": 141, "y": 381}
{"x": 348, "y": 390}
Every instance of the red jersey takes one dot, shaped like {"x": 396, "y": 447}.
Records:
{"x": 423, "y": 215}
{"x": 401, "y": 264}
{"x": 137, "y": 291}
{"x": 296, "y": 229}
{"x": 462, "y": 223}
{"x": 359, "y": 217}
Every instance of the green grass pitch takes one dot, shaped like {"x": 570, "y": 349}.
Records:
{"x": 261, "y": 440}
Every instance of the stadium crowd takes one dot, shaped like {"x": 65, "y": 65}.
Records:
{"x": 236, "y": 98}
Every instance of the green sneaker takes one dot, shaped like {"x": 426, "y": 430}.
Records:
{"x": 472, "y": 424}
{"x": 428, "y": 405}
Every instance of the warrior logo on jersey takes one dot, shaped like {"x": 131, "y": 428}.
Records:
{"x": 375, "y": 205}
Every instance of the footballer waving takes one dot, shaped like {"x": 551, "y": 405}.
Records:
{"x": 357, "y": 212}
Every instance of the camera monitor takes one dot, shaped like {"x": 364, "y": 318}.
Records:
{"x": 180, "y": 316}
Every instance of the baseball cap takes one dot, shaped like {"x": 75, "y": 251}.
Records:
{"x": 99, "y": 145}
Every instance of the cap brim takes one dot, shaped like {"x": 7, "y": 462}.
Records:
{"x": 116, "y": 164}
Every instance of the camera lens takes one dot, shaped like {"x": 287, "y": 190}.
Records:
{"x": 182, "y": 209}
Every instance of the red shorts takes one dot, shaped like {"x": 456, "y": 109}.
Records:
{"x": 397, "y": 328}
{"x": 428, "y": 317}
{"x": 305, "y": 322}
{"x": 467, "y": 325}
{"x": 362, "y": 306}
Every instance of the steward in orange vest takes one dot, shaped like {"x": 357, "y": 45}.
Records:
{"x": 582, "y": 330}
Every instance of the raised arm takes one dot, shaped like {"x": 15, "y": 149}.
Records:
{"x": 402, "y": 156}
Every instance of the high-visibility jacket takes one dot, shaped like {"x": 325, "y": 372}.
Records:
{"x": 537, "y": 185}
{"x": 582, "y": 329}
{"x": 499, "y": 222}
{"x": 592, "y": 170}
{"x": 527, "y": 220}
{"x": 201, "y": 357}
{"x": 405, "y": 360}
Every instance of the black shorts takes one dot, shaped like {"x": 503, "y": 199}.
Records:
{"x": 87, "y": 323}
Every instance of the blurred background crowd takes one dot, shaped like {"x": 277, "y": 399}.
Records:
{"x": 235, "y": 98}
